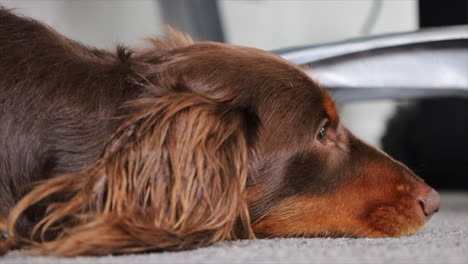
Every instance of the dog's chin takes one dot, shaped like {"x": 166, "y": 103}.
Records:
{"x": 383, "y": 225}
{"x": 379, "y": 221}
{"x": 394, "y": 220}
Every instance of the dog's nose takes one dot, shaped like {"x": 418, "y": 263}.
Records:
{"x": 429, "y": 202}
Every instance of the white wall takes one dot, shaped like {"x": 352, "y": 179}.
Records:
{"x": 101, "y": 23}
{"x": 272, "y": 24}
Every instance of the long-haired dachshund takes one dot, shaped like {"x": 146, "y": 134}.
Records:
{"x": 179, "y": 146}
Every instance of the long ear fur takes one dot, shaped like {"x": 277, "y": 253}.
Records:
{"x": 159, "y": 46}
{"x": 172, "y": 177}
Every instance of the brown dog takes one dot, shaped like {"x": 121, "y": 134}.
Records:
{"x": 180, "y": 146}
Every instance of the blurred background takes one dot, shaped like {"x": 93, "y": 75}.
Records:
{"x": 275, "y": 24}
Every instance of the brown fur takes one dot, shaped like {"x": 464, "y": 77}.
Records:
{"x": 153, "y": 199}
{"x": 178, "y": 146}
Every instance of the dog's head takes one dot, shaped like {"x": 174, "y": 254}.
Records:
{"x": 227, "y": 140}
{"x": 308, "y": 175}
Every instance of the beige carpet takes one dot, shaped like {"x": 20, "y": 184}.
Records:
{"x": 443, "y": 241}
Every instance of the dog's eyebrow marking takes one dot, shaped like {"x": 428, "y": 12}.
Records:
{"x": 330, "y": 107}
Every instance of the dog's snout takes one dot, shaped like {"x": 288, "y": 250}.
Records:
{"x": 430, "y": 202}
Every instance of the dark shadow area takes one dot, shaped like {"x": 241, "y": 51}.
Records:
{"x": 431, "y": 137}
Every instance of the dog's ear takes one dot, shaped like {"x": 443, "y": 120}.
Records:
{"x": 158, "y": 46}
{"x": 172, "y": 177}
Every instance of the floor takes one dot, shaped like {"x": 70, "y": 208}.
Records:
{"x": 443, "y": 240}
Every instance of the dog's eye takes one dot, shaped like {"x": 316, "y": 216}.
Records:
{"x": 322, "y": 133}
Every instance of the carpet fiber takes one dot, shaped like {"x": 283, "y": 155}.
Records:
{"x": 443, "y": 240}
